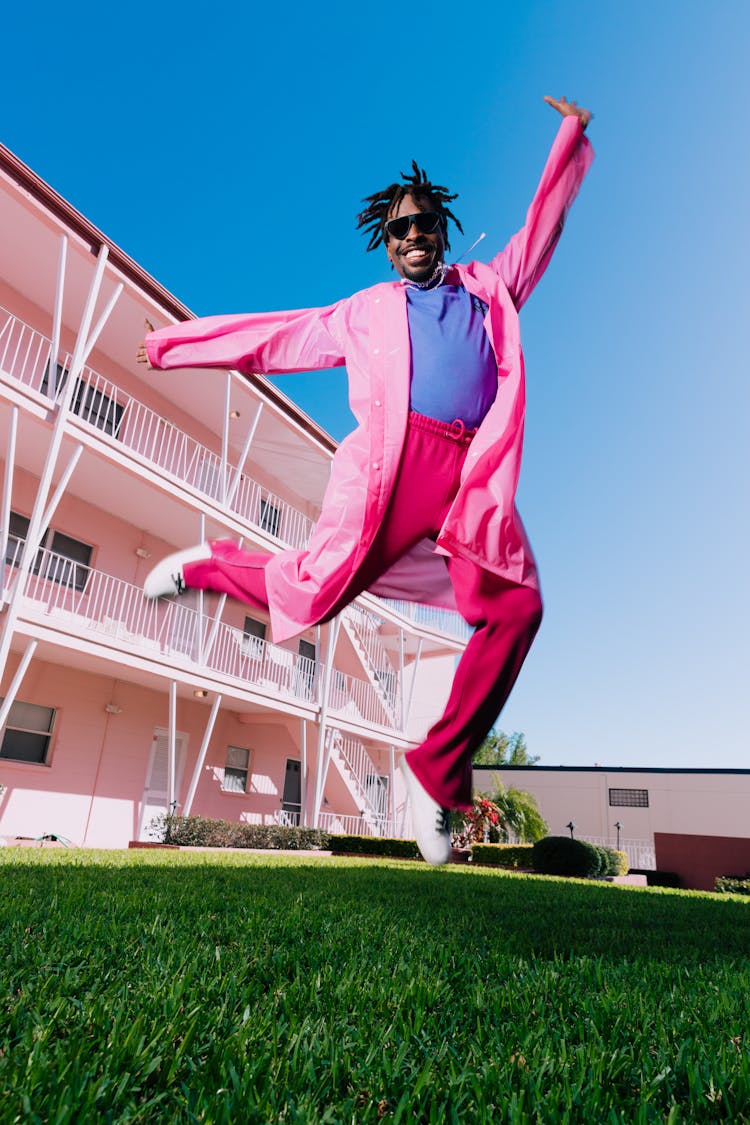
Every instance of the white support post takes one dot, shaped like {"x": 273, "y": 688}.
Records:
{"x": 401, "y": 692}
{"x": 171, "y": 749}
{"x": 202, "y": 539}
{"x": 12, "y": 692}
{"x": 91, "y": 341}
{"x": 243, "y": 457}
{"x": 217, "y": 620}
{"x": 333, "y": 629}
{"x": 62, "y": 485}
{"x": 201, "y": 756}
{"x": 225, "y": 437}
{"x": 36, "y": 524}
{"x": 303, "y": 771}
{"x": 392, "y": 782}
{"x": 57, "y": 317}
{"x": 10, "y": 464}
{"x": 413, "y": 682}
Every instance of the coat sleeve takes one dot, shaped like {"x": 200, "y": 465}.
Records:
{"x": 527, "y": 255}
{"x": 269, "y": 343}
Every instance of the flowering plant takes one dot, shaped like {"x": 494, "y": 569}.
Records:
{"x": 484, "y": 820}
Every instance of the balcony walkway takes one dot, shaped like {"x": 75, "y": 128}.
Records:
{"x": 67, "y": 595}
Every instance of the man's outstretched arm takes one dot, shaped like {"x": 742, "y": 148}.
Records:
{"x": 272, "y": 343}
{"x": 527, "y": 255}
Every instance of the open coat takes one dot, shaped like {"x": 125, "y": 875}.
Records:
{"x": 369, "y": 333}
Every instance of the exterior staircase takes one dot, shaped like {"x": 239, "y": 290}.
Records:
{"x": 360, "y": 775}
{"x": 363, "y": 629}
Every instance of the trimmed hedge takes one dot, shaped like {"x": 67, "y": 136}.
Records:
{"x": 618, "y": 862}
{"x": 203, "y": 832}
{"x": 658, "y": 878}
{"x": 373, "y": 845}
{"x": 733, "y": 884}
{"x": 561, "y": 855}
{"x": 503, "y": 855}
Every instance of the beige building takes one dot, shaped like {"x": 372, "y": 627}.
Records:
{"x": 690, "y": 802}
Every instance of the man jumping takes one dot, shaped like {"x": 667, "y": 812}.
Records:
{"x": 421, "y": 500}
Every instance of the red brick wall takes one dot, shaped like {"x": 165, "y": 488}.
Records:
{"x": 699, "y": 859}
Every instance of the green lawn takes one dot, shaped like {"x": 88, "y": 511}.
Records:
{"x": 206, "y": 987}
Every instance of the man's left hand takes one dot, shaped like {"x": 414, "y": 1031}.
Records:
{"x": 570, "y": 109}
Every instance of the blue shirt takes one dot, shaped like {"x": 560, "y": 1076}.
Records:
{"x": 453, "y": 367}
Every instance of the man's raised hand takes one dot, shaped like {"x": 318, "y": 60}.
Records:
{"x": 569, "y": 109}
{"x": 141, "y": 356}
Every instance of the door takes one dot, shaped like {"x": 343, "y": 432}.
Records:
{"x": 291, "y": 801}
{"x": 154, "y": 803}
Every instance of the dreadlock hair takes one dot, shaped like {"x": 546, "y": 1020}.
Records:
{"x": 379, "y": 206}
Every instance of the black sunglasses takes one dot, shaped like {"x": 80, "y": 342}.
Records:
{"x": 426, "y": 222}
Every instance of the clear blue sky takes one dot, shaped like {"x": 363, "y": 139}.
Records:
{"x": 227, "y": 151}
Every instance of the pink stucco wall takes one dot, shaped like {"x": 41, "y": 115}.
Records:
{"x": 92, "y": 787}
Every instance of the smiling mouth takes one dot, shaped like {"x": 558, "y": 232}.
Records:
{"x": 417, "y": 253}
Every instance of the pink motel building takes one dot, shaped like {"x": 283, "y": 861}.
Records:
{"x": 114, "y": 709}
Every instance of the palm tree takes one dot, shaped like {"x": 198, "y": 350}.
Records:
{"x": 521, "y": 814}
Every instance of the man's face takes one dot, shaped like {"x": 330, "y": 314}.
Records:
{"x": 417, "y": 255}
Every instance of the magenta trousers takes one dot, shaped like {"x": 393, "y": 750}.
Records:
{"x": 505, "y": 616}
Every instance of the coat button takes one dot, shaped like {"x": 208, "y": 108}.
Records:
{"x": 378, "y": 402}
{"x": 375, "y": 465}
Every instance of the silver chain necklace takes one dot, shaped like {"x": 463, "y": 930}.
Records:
{"x": 436, "y": 278}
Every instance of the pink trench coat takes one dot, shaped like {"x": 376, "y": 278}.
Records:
{"x": 369, "y": 333}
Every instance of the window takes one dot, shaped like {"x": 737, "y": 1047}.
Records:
{"x": 18, "y": 529}
{"x": 253, "y": 637}
{"x": 630, "y": 798}
{"x": 95, "y": 407}
{"x": 60, "y": 559}
{"x": 236, "y": 770}
{"x": 28, "y": 733}
{"x": 269, "y": 517}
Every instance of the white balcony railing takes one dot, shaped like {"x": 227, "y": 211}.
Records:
{"x": 641, "y": 853}
{"x": 88, "y": 601}
{"x": 24, "y": 354}
{"x": 440, "y": 620}
{"x": 356, "y": 826}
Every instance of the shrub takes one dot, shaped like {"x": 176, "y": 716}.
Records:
{"x": 503, "y": 855}
{"x": 202, "y": 831}
{"x": 733, "y": 884}
{"x": 484, "y": 818}
{"x": 373, "y": 845}
{"x": 658, "y": 878}
{"x": 561, "y": 855}
{"x": 618, "y": 862}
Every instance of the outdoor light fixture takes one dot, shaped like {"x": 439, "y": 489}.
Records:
{"x": 142, "y": 553}
{"x": 112, "y": 709}
{"x": 571, "y": 826}
{"x": 618, "y": 826}
{"x": 234, "y": 414}
{"x": 200, "y": 693}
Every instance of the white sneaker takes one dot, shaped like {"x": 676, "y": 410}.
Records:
{"x": 431, "y": 821}
{"x": 167, "y": 577}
